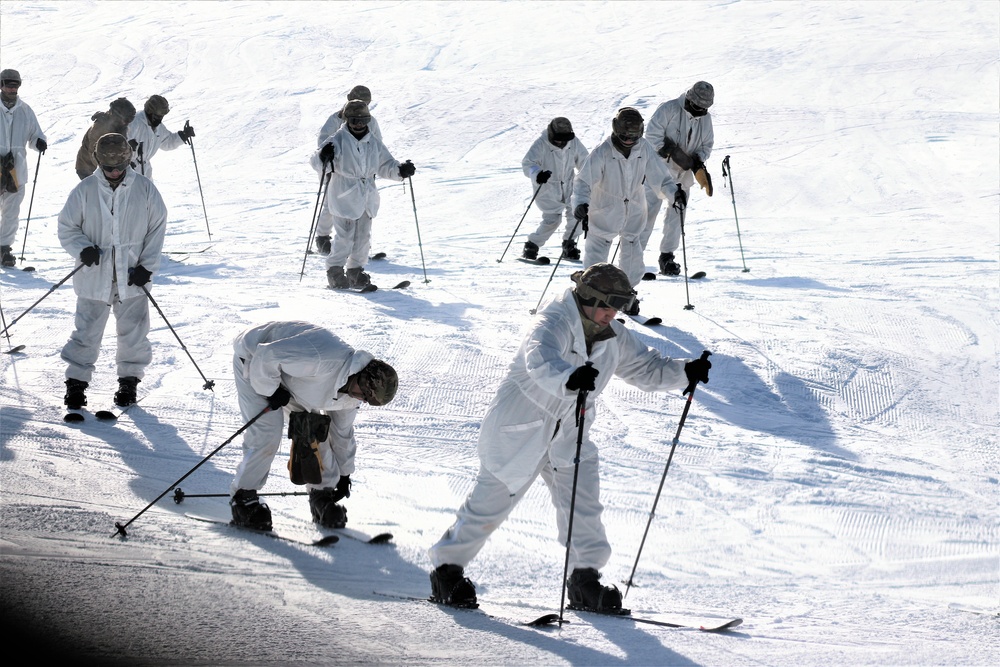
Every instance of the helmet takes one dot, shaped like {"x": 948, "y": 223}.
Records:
{"x": 123, "y": 109}
{"x": 10, "y": 75}
{"x": 604, "y": 285}
{"x": 112, "y": 150}
{"x": 156, "y": 105}
{"x": 360, "y": 93}
{"x": 627, "y": 125}
{"x": 701, "y": 94}
{"x": 356, "y": 109}
{"x": 378, "y": 382}
{"x": 560, "y": 129}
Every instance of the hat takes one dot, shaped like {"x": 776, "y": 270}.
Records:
{"x": 360, "y": 93}
{"x": 627, "y": 122}
{"x": 356, "y": 109}
{"x": 122, "y": 107}
{"x": 157, "y": 105}
{"x": 604, "y": 284}
{"x": 112, "y": 150}
{"x": 701, "y": 94}
{"x": 378, "y": 382}
{"x": 560, "y": 129}
{"x": 10, "y": 75}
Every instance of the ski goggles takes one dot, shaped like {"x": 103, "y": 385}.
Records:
{"x": 11, "y": 83}
{"x": 110, "y": 168}
{"x": 358, "y": 121}
{"x": 602, "y": 300}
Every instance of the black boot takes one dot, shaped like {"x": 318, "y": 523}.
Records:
{"x": 249, "y": 511}
{"x": 126, "y": 391}
{"x": 336, "y": 278}
{"x": 356, "y": 277}
{"x": 586, "y": 592}
{"x": 325, "y": 510}
{"x": 530, "y": 250}
{"x": 6, "y": 256}
{"x": 668, "y": 267}
{"x": 76, "y": 396}
{"x": 450, "y": 586}
{"x": 570, "y": 251}
{"x": 323, "y": 244}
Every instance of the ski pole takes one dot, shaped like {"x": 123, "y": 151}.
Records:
{"x": 30, "y": 204}
{"x": 727, "y": 171}
{"x": 519, "y": 223}
{"x": 190, "y": 142}
{"x": 120, "y": 527}
{"x": 4, "y": 321}
{"x": 51, "y": 290}
{"x": 554, "y": 268}
{"x": 179, "y": 494}
{"x": 687, "y": 406}
{"x": 320, "y": 196}
{"x": 419, "y": 243}
{"x": 581, "y": 412}
{"x": 208, "y": 383}
{"x": 681, "y": 206}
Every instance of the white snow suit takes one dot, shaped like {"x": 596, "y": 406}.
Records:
{"x": 529, "y": 429}
{"x": 313, "y": 364}
{"x": 127, "y": 224}
{"x": 18, "y": 128}
{"x": 324, "y": 225}
{"x": 554, "y": 197}
{"x": 150, "y": 141}
{"x": 351, "y": 197}
{"x": 695, "y": 136}
{"x": 613, "y": 187}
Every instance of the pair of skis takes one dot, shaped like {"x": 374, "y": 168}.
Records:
{"x": 325, "y": 541}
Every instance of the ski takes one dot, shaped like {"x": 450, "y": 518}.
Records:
{"x": 540, "y": 261}
{"x": 325, "y": 541}
{"x": 405, "y": 283}
{"x": 694, "y": 276}
{"x": 682, "y": 621}
{"x": 541, "y": 621}
{"x": 350, "y": 533}
{"x": 186, "y": 252}
{"x": 367, "y": 289}
{"x": 15, "y": 350}
{"x": 698, "y": 276}
{"x": 647, "y": 321}
{"x": 377, "y": 256}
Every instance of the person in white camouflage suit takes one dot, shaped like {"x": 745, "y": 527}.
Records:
{"x": 148, "y": 135}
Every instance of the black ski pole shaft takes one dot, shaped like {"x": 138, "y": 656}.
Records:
{"x": 120, "y": 527}
{"x": 687, "y": 406}
{"x": 190, "y": 141}
{"x": 519, "y": 223}
{"x": 417, "y": 222}
{"x": 687, "y": 292}
{"x": 727, "y": 172}
{"x": 581, "y": 413}
{"x": 320, "y": 196}
{"x": 31, "y": 203}
{"x": 4, "y": 321}
{"x": 209, "y": 384}
{"x": 180, "y": 495}
{"x": 553, "y": 274}
{"x": 51, "y": 290}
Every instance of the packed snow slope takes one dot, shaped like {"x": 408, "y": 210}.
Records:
{"x": 835, "y": 484}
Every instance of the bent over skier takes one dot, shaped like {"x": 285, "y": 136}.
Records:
{"x": 575, "y": 345}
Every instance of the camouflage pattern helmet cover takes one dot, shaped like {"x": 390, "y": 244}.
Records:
{"x": 112, "y": 150}
{"x": 627, "y": 122}
{"x": 560, "y": 129}
{"x": 157, "y": 105}
{"x": 360, "y": 93}
{"x": 10, "y": 75}
{"x": 378, "y": 382}
{"x": 606, "y": 283}
{"x": 701, "y": 94}
{"x": 356, "y": 109}
{"x": 124, "y": 109}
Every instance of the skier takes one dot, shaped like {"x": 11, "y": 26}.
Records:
{"x": 681, "y": 130}
{"x": 355, "y": 156}
{"x": 325, "y": 223}
{"x": 575, "y": 345}
{"x": 556, "y": 153}
{"x": 18, "y": 128}
{"x": 609, "y": 198}
{"x": 113, "y": 221}
{"x": 320, "y": 380}
{"x": 147, "y": 134}
{"x": 113, "y": 121}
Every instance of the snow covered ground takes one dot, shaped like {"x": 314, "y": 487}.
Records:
{"x": 836, "y": 483}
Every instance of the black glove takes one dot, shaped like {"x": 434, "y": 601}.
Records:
{"x": 407, "y": 169}
{"x": 41, "y": 145}
{"x": 696, "y": 163}
{"x": 91, "y": 255}
{"x": 680, "y": 199}
{"x": 343, "y": 488}
{"x": 681, "y": 159}
{"x": 327, "y": 153}
{"x": 139, "y": 275}
{"x": 135, "y": 144}
{"x": 186, "y": 133}
{"x": 279, "y": 398}
{"x": 581, "y": 212}
{"x": 582, "y": 378}
{"x": 697, "y": 371}
{"x": 542, "y": 177}
{"x": 667, "y": 148}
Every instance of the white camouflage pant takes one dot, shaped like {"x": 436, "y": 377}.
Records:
{"x": 10, "y": 209}
{"x": 549, "y": 225}
{"x": 132, "y": 328}
{"x": 351, "y": 242}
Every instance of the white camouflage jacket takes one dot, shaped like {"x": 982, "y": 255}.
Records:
{"x": 352, "y": 192}
{"x": 18, "y": 128}
{"x": 152, "y": 140}
{"x": 556, "y": 193}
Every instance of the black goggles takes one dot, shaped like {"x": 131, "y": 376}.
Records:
{"x": 108, "y": 168}
{"x": 358, "y": 121}
{"x": 602, "y": 300}
{"x": 11, "y": 83}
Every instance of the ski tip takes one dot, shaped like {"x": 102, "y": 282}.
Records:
{"x": 14, "y": 350}
{"x": 381, "y": 538}
{"x": 544, "y": 260}
{"x": 73, "y": 417}
{"x": 106, "y": 415}
{"x": 29, "y": 269}
{"x": 547, "y": 619}
{"x": 368, "y": 289}
{"x": 649, "y": 275}
{"x": 378, "y": 255}
{"x": 405, "y": 283}
{"x": 699, "y": 275}
{"x": 653, "y": 321}
{"x": 326, "y": 541}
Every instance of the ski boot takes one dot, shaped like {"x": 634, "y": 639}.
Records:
{"x": 323, "y": 245}
{"x": 249, "y": 511}
{"x": 450, "y": 586}
{"x": 125, "y": 395}
{"x": 325, "y": 510}
{"x": 76, "y": 396}
{"x": 530, "y": 251}
{"x": 587, "y": 593}
{"x": 356, "y": 277}
{"x": 7, "y": 257}
{"x": 570, "y": 251}
{"x": 668, "y": 267}
{"x": 336, "y": 278}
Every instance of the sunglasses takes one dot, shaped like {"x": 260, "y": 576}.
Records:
{"x": 10, "y": 83}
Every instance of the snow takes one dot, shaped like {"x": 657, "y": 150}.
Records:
{"x": 835, "y": 484}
